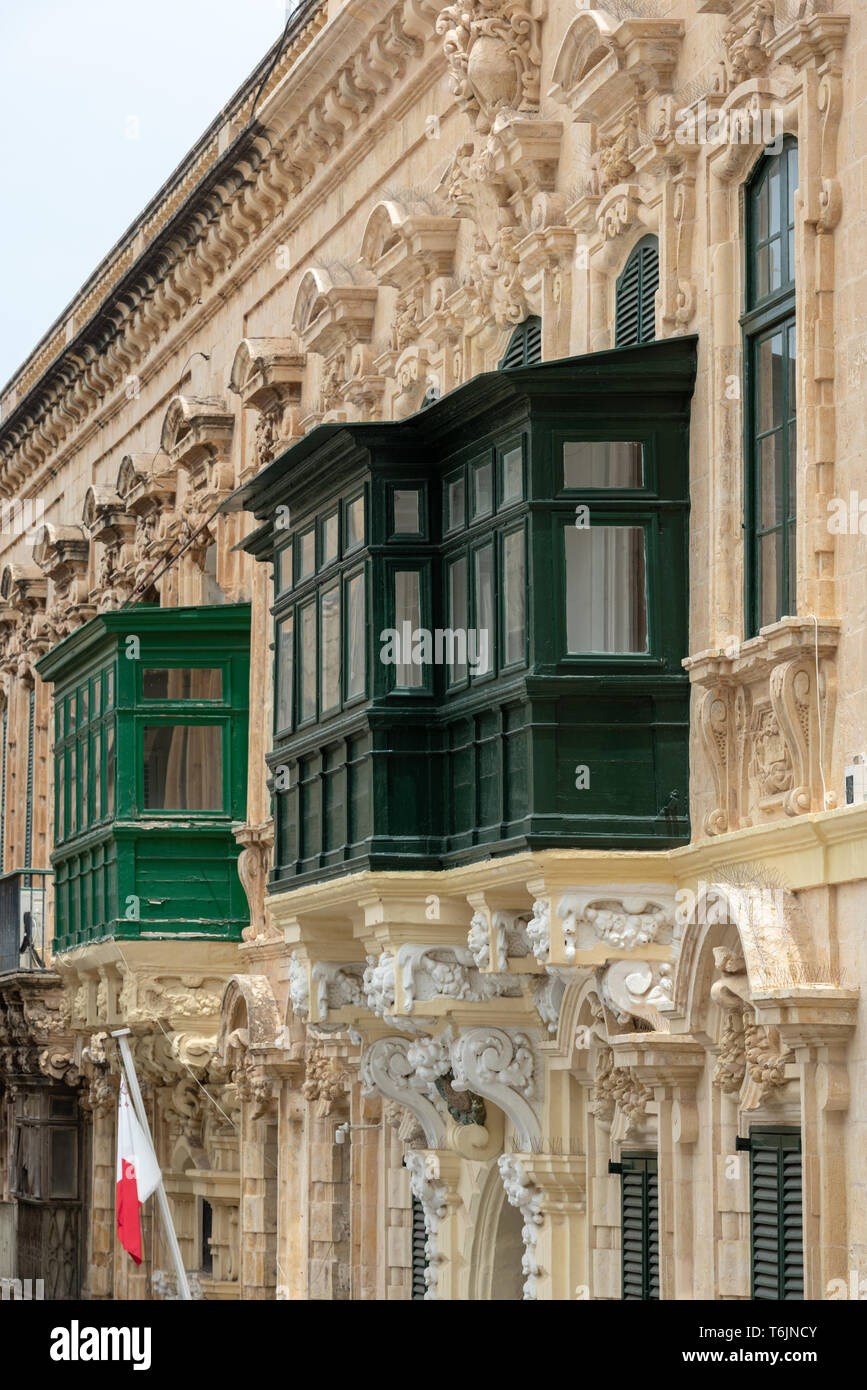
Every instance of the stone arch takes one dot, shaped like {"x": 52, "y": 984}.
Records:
{"x": 484, "y": 1218}
{"x": 586, "y": 45}
{"x": 311, "y": 300}
{"x": 382, "y": 231}
{"x": 249, "y": 1014}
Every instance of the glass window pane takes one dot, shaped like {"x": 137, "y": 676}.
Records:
{"x": 64, "y": 1162}
{"x": 514, "y": 599}
{"x": 356, "y": 637}
{"x": 307, "y": 654}
{"x": 605, "y": 589}
{"x": 183, "y": 767}
{"x": 182, "y": 683}
{"x": 760, "y": 205}
{"x": 109, "y": 770}
{"x": 407, "y": 617}
{"x": 306, "y": 554}
{"x": 406, "y": 511}
{"x": 285, "y": 667}
{"x": 97, "y": 700}
{"x": 354, "y": 524}
{"x": 769, "y": 384}
{"x": 483, "y": 562}
{"x": 82, "y": 705}
{"x": 483, "y": 493}
{"x": 793, "y": 375}
{"x": 771, "y": 480}
{"x": 792, "y": 156}
{"x": 769, "y": 577}
{"x": 602, "y": 463}
{"x": 775, "y": 269}
{"x": 329, "y": 652}
{"x": 512, "y": 475}
{"x": 458, "y": 619}
{"x": 329, "y": 539}
{"x": 761, "y": 287}
{"x": 73, "y": 793}
{"x": 284, "y": 568}
{"x": 59, "y": 787}
{"x": 109, "y": 688}
{"x": 97, "y": 777}
{"x": 85, "y": 791}
{"x": 791, "y": 597}
{"x": 774, "y": 187}
{"x": 455, "y": 507}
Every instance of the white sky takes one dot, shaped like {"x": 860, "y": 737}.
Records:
{"x": 73, "y": 75}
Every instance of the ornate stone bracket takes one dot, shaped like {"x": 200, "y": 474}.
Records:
{"x": 268, "y": 375}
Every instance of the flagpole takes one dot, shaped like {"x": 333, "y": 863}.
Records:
{"x": 122, "y": 1035}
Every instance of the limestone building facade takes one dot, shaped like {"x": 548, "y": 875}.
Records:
{"x": 528, "y": 968}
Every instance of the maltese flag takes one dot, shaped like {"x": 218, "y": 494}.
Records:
{"x": 138, "y": 1174}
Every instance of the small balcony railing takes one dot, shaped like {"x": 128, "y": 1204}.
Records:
{"x": 22, "y": 920}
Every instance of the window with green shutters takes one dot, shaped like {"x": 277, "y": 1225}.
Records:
{"x": 635, "y": 294}
{"x": 770, "y": 395}
{"x": 639, "y": 1233}
{"x": 525, "y": 346}
{"x": 776, "y": 1214}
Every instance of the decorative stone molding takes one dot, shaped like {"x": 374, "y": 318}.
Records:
{"x": 36, "y": 1038}
{"x": 752, "y": 1058}
{"x": 197, "y": 437}
{"x": 523, "y": 1194}
{"x": 338, "y": 985}
{"x": 747, "y": 46}
{"x": 378, "y": 984}
{"x": 386, "y": 1067}
{"x": 618, "y": 1094}
{"x": 765, "y": 725}
{"x": 548, "y": 991}
{"x": 254, "y": 862}
{"x": 636, "y": 989}
{"x": 601, "y": 917}
{"x": 605, "y": 64}
{"x": 327, "y": 1080}
{"x": 493, "y": 50}
{"x": 510, "y": 941}
{"x": 268, "y": 375}
{"x": 435, "y": 1196}
{"x": 449, "y": 972}
{"x": 501, "y": 1065}
{"x": 299, "y": 986}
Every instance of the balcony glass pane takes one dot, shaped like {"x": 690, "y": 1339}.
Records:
{"x": 354, "y": 524}
{"x": 458, "y": 617}
{"x": 605, "y": 589}
{"x": 455, "y": 504}
{"x": 602, "y": 463}
{"x": 329, "y": 627}
{"x": 183, "y": 767}
{"x": 307, "y": 657}
{"x": 285, "y": 659}
{"x": 514, "y": 598}
{"x": 483, "y": 492}
{"x": 284, "y": 568}
{"x": 356, "y": 636}
{"x": 486, "y": 636}
{"x": 182, "y": 683}
{"x": 407, "y": 617}
{"x": 511, "y": 476}
{"x": 329, "y": 539}
{"x": 407, "y": 509}
{"x": 306, "y": 554}
{"x": 109, "y": 770}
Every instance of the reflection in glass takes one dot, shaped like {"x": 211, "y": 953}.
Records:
{"x": 355, "y": 637}
{"x": 329, "y": 652}
{"x": 307, "y": 649}
{"x": 182, "y": 683}
{"x": 285, "y": 666}
{"x": 354, "y": 524}
{"x": 514, "y": 598}
{"x": 458, "y": 614}
{"x": 183, "y": 767}
{"x": 605, "y": 589}
{"x": 602, "y": 463}
{"x": 484, "y": 580}
{"x": 407, "y": 617}
{"x": 406, "y": 511}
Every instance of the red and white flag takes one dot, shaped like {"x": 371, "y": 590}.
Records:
{"x": 138, "y": 1173}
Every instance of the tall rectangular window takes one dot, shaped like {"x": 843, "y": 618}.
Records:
{"x": 486, "y": 634}
{"x": 183, "y": 767}
{"x": 356, "y": 637}
{"x": 606, "y": 608}
{"x": 771, "y": 400}
{"x": 514, "y": 599}
{"x": 329, "y": 648}
{"x": 457, "y": 597}
{"x": 285, "y": 672}
{"x": 407, "y": 619}
{"x": 307, "y": 661}
{"x": 776, "y": 1214}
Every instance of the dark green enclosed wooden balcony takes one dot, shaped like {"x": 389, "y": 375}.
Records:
{"x": 150, "y": 772}
{"x": 480, "y": 614}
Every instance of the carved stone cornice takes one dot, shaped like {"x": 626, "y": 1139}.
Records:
{"x": 268, "y": 375}
{"x": 604, "y": 65}
{"x": 36, "y": 1039}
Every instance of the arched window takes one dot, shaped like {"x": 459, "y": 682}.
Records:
{"x": 635, "y": 310}
{"x": 525, "y": 346}
{"x": 770, "y": 389}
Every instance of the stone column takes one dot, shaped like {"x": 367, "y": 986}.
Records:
{"x": 550, "y": 1191}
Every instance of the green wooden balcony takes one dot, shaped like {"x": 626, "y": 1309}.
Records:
{"x": 480, "y": 614}
{"x": 150, "y": 771}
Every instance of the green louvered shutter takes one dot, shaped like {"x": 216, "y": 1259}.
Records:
{"x": 525, "y": 346}
{"x": 635, "y": 320}
{"x": 419, "y": 1255}
{"x": 639, "y": 1215}
{"x": 776, "y": 1214}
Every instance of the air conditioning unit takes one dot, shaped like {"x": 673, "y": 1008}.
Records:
{"x": 856, "y": 779}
